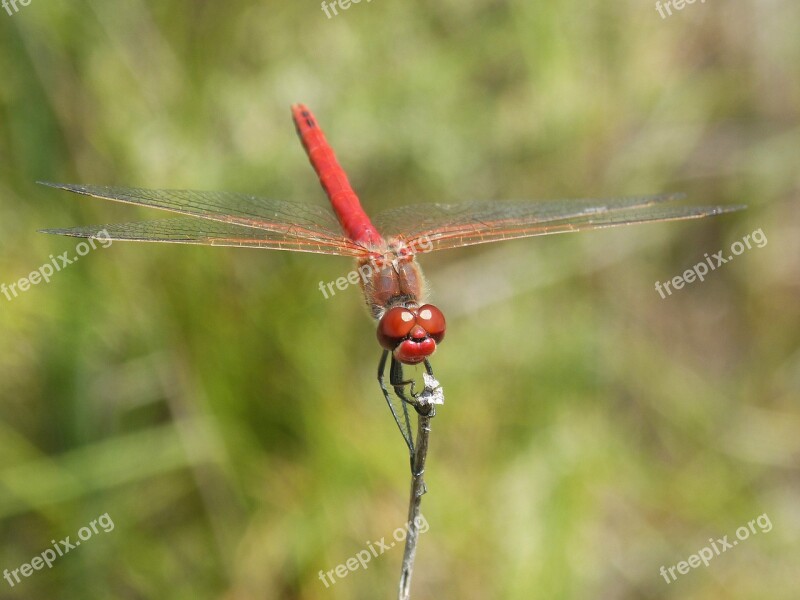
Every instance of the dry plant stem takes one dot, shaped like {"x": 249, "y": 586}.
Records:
{"x": 417, "y": 491}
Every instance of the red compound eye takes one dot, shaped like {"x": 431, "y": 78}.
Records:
{"x": 432, "y": 320}
{"x": 394, "y": 326}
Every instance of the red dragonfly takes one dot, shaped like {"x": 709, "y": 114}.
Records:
{"x": 408, "y": 327}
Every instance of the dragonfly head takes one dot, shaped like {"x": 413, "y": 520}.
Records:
{"x": 411, "y": 333}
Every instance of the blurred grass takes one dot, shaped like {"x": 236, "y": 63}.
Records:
{"x": 226, "y": 416}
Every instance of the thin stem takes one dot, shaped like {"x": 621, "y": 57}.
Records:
{"x": 417, "y": 490}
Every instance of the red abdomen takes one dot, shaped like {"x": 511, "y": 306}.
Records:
{"x": 345, "y": 203}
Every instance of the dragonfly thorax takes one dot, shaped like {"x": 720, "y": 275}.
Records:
{"x": 389, "y": 280}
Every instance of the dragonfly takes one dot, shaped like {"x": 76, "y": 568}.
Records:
{"x": 409, "y": 328}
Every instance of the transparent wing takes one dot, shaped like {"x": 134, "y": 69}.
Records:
{"x": 188, "y": 230}
{"x": 470, "y": 223}
{"x": 292, "y": 226}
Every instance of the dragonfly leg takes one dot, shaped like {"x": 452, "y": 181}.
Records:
{"x": 399, "y": 383}
{"x": 397, "y": 380}
{"x": 422, "y": 402}
{"x": 428, "y": 367}
{"x": 403, "y": 422}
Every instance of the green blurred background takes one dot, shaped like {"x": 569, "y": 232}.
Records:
{"x": 226, "y": 416}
